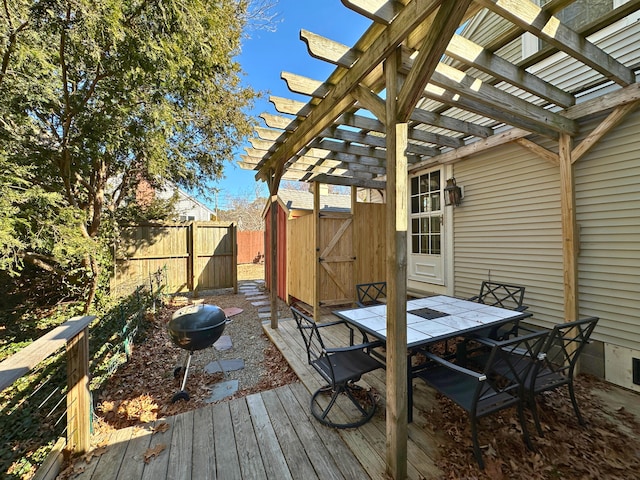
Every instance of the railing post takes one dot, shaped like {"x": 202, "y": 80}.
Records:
{"x": 78, "y": 397}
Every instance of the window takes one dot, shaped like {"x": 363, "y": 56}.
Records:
{"x": 426, "y": 213}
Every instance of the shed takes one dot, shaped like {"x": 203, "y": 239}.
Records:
{"x": 344, "y": 258}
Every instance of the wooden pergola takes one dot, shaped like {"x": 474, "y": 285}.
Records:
{"x": 414, "y": 92}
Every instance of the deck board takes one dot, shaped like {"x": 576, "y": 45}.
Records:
{"x": 227, "y": 462}
{"x": 299, "y": 463}
{"x": 274, "y": 461}
{"x": 246, "y": 442}
{"x": 203, "y": 465}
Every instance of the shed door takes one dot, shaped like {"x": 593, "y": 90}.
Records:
{"x": 425, "y": 259}
{"x": 336, "y": 258}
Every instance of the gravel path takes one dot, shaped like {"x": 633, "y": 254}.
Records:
{"x": 248, "y": 342}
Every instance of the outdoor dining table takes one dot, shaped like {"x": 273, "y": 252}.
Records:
{"x": 430, "y": 320}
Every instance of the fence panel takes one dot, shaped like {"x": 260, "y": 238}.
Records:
{"x": 196, "y": 255}
{"x": 215, "y": 256}
{"x": 251, "y": 247}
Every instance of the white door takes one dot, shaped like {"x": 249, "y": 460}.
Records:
{"x": 425, "y": 256}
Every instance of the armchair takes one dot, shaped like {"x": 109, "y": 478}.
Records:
{"x": 371, "y": 293}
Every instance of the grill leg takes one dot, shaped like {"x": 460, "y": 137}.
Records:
{"x": 215, "y": 354}
{"x": 186, "y": 370}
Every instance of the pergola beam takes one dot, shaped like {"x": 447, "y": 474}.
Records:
{"x": 339, "y": 99}
{"x": 545, "y": 26}
{"x": 475, "y": 56}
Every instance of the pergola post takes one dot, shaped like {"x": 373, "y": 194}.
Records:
{"x": 396, "y": 265}
{"x": 274, "y": 183}
{"x": 570, "y": 238}
{"x": 316, "y": 264}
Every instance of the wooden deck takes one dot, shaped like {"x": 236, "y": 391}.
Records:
{"x": 273, "y": 435}
{"x": 261, "y": 436}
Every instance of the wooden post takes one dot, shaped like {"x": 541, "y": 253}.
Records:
{"x": 396, "y": 256}
{"x": 234, "y": 255}
{"x": 78, "y": 397}
{"x": 569, "y": 230}
{"x": 316, "y": 265}
{"x": 274, "y": 261}
{"x": 192, "y": 258}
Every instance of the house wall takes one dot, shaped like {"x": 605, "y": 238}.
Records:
{"x": 608, "y": 217}
{"x": 509, "y": 229}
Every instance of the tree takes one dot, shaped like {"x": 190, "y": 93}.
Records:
{"x": 246, "y": 213}
{"x": 97, "y": 94}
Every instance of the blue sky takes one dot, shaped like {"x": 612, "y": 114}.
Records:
{"x": 266, "y": 54}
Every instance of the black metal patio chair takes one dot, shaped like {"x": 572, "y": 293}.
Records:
{"x": 341, "y": 367}
{"x": 501, "y": 295}
{"x": 371, "y": 293}
{"x": 486, "y": 392}
{"x": 556, "y": 365}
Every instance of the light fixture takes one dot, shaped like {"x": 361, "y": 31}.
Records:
{"x": 452, "y": 193}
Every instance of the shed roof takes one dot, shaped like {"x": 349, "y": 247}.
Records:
{"x": 303, "y": 200}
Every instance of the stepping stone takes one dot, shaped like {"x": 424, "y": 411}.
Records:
{"x": 264, "y": 309}
{"x": 259, "y": 297}
{"x": 223, "y": 343}
{"x": 260, "y": 304}
{"x": 222, "y": 390}
{"x": 231, "y": 311}
{"x": 264, "y": 315}
{"x": 227, "y": 365}
{"x": 253, "y": 291}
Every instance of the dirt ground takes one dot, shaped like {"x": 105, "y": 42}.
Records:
{"x": 251, "y": 271}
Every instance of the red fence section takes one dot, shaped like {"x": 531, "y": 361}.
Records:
{"x": 250, "y": 247}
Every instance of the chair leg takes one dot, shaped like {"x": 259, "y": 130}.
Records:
{"x": 572, "y": 394}
{"x": 534, "y": 412}
{"x": 476, "y": 446}
{"x": 523, "y": 424}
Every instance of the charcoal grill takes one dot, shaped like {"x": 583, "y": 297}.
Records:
{"x": 194, "y": 327}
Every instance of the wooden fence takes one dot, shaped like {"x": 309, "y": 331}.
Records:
{"x": 251, "y": 246}
{"x": 196, "y": 255}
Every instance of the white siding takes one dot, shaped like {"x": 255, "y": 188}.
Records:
{"x": 608, "y": 214}
{"x": 509, "y": 227}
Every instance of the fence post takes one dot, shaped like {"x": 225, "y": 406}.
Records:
{"x": 234, "y": 255}
{"x": 78, "y": 396}
{"x": 193, "y": 258}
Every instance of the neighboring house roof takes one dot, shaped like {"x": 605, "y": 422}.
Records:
{"x": 186, "y": 206}
{"x": 301, "y": 200}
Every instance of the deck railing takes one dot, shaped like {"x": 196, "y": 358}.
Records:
{"x": 74, "y": 335}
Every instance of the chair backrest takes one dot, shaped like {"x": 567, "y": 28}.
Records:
{"x": 310, "y": 335}
{"x": 371, "y": 293}
{"x": 501, "y": 295}
{"x": 510, "y": 363}
{"x": 565, "y": 343}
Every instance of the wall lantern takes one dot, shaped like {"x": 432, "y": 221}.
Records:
{"x": 452, "y": 193}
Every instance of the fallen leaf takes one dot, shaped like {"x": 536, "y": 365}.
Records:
{"x": 153, "y": 452}
{"x": 160, "y": 428}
